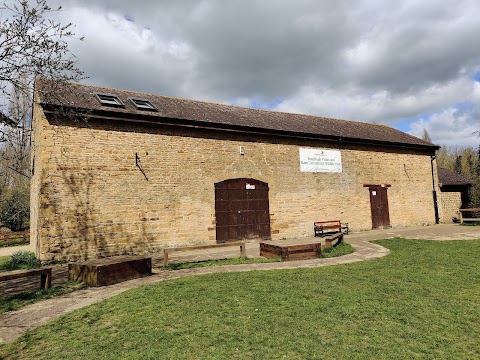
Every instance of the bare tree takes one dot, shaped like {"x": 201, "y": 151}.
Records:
{"x": 15, "y": 150}
{"x": 426, "y": 136}
{"x": 15, "y": 164}
{"x": 32, "y": 44}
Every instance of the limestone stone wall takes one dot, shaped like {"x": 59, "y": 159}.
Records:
{"x": 451, "y": 202}
{"x": 93, "y": 200}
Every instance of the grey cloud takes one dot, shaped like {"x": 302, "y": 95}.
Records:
{"x": 366, "y": 60}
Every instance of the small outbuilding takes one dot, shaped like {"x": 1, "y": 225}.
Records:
{"x": 121, "y": 172}
{"x": 454, "y": 193}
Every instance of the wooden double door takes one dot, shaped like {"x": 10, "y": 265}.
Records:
{"x": 379, "y": 206}
{"x": 241, "y": 210}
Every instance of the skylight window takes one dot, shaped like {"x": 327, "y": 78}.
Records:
{"x": 142, "y": 104}
{"x": 109, "y": 100}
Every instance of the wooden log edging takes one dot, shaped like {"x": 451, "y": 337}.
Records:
{"x": 45, "y": 276}
{"x": 167, "y": 250}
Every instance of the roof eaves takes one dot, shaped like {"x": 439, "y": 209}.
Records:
{"x": 158, "y": 119}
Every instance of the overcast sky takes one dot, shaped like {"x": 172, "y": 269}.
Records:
{"x": 408, "y": 64}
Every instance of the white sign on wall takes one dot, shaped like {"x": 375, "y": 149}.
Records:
{"x": 319, "y": 160}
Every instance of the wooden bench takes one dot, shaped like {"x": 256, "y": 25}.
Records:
{"x": 463, "y": 219}
{"x": 45, "y": 276}
{"x": 320, "y": 228}
{"x": 329, "y": 241}
{"x": 166, "y": 251}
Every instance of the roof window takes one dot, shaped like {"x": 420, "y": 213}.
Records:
{"x": 142, "y": 104}
{"x": 109, "y": 100}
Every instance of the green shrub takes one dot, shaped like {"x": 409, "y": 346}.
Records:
{"x": 15, "y": 210}
{"x": 22, "y": 260}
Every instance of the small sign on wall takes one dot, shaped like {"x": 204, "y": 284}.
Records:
{"x": 320, "y": 160}
{"x": 249, "y": 186}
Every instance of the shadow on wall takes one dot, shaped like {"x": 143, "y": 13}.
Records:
{"x": 76, "y": 227}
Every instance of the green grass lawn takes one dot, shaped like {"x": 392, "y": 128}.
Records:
{"x": 475, "y": 223}
{"x": 3, "y": 260}
{"x": 420, "y": 301}
{"x": 19, "y": 300}
{"x": 341, "y": 249}
{"x": 222, "y": 262}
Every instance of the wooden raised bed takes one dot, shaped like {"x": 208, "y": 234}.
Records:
{"x": 112, "y": 270}
{"x": 289, "y": 250}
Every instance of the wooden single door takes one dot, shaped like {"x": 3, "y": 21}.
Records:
{"x": 379, "y": 205}
{"x": 241, "y": 210}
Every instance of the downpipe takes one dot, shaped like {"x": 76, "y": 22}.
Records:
{"x": 434, "y": 191}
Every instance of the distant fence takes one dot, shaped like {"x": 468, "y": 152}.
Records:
{"x": 474, "y": 215}
{"x": 15, "y": 238}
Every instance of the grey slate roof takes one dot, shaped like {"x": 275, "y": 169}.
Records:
{"x": 448, "y": 177}
{"x": 215, "y": 115}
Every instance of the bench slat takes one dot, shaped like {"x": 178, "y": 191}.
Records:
{"x": 326, "y": 222}
{"x": 319, "y": 227}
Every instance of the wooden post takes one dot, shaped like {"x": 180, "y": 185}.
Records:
{"x": 46, "y": 279}
{"x": 243, "y": 249}
{"x": 165, "y": 258}
{"x": 461, "y": 216}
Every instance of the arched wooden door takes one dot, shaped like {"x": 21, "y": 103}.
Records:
{"x": 242, "y": 210}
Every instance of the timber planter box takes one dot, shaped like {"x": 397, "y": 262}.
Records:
{"x": 289, "y": 250}
{"x": 112, "y": 270}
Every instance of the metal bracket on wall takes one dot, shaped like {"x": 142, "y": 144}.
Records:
{"x": 139, "y": 165}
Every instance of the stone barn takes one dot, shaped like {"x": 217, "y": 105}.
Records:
{"x": 454, "y": 193}
{"x": 121, "y": 172}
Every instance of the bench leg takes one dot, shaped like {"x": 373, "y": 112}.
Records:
{"x": 46, "y": 280}
{"x": 328, "y": 244}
